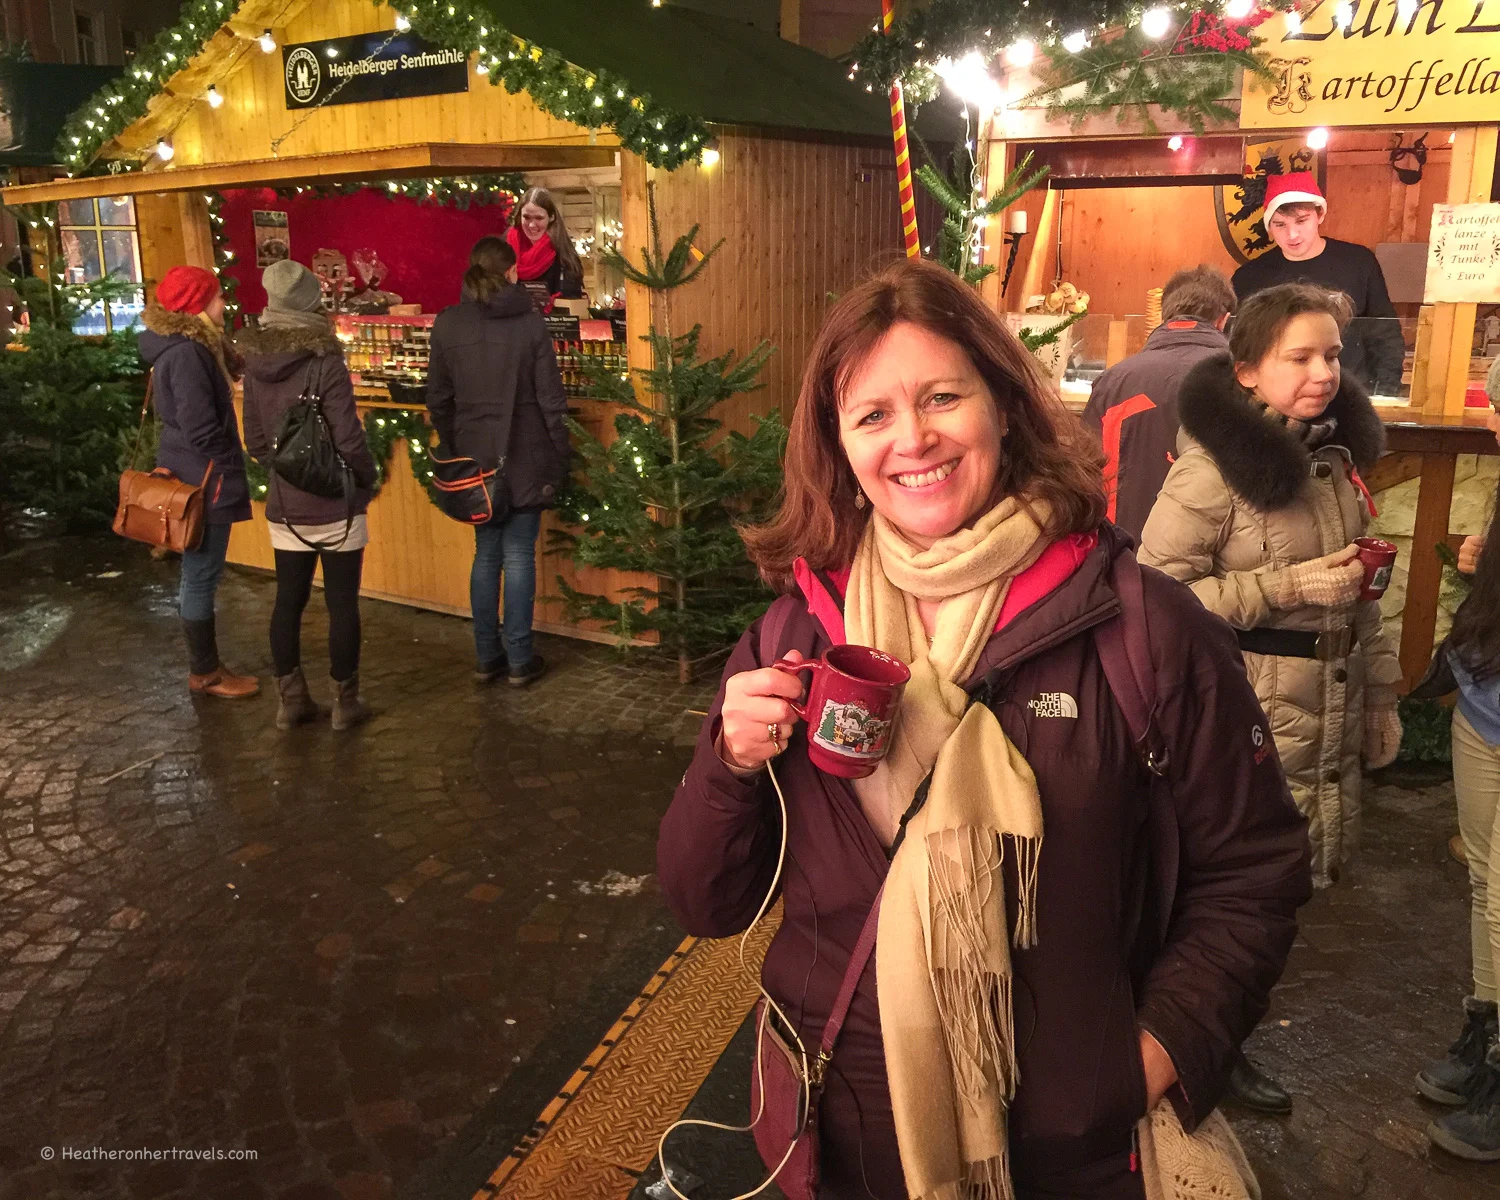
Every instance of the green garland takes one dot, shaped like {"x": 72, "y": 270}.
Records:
{"x": 594, "y": 100}
{"x": 383, "y": 429}
{"x": 1094, "y": 57}
{"x": 460, "y": 192}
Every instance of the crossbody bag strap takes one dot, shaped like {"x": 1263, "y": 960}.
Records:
{"x": 140, "y": 429}
{"x": 864, "y": 948}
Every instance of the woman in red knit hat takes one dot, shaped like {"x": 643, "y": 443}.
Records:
{"x": 183, "y": 344}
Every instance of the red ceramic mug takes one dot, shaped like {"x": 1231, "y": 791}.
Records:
{"x": 850, "y": 708}
{"x": 1378, "y": 557}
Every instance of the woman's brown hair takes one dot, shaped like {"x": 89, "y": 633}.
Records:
{"x": 1046, "y": 454}
{"x": 490, "y": 263}
{"x": 1262, "y": 319}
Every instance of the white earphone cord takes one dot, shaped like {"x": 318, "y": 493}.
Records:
{"x": 760, "y": 1033}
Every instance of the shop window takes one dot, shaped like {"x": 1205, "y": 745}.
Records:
{"x": 99, "y": 241}
{"x": 89, "y": 50}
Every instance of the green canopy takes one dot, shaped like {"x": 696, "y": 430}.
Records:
{"x": 35, "y": 99}
{"x": 716, "y": 68}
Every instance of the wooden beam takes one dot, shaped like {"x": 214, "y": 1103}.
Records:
{"x": 996, "y": 249}
{"x": 1424, "y": 575}
{"x": 635, "y": 216}
{"x": 1393, "y": 470}
{"x": 395, "y": 162}
{"x": 1041, "y": 246}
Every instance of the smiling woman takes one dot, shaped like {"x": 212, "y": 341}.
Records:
{"x": 942, "y": 508}
{"x": 912, "y": 376}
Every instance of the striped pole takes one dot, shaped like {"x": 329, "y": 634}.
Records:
{"x": 903, "y": 156}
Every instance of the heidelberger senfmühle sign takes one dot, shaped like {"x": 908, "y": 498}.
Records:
{"x": 370, "y": 66}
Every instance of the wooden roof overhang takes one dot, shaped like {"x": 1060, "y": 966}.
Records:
{"x": 394, "y": 162}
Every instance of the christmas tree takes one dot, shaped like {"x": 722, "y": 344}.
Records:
{"x": 665, "y": 496}
{"x": 68, "y": 404}
{"x": 967, "y": 212}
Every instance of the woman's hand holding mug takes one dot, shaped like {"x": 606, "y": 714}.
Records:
{"x": 754, "y": 701}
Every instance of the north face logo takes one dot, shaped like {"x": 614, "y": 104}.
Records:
{"x": 1054, "y": 704}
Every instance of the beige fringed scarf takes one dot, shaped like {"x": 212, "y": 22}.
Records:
{"x": 942, "y": 957}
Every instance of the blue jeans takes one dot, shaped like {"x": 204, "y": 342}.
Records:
{"x": 201, "y": 569}
{"x": 508, "y": 546}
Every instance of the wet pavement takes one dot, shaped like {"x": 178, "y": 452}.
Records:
{"x": 371, "y": 958}
{"x": 330, "y": 950}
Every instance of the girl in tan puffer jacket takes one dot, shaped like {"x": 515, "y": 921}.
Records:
{"x": 1258, "y": 515}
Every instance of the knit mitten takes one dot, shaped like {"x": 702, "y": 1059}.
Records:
{"x": 1382, "y": 726}
{"x": 1332, "y": 581}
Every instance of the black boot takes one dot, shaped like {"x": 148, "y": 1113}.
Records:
{"x": 1252, "y": 1089}
{"x": 1446, "y": 1079}
{"x": 296, "y": 703}
{"x": 1473, "y": 1132}
{"x": 348, "y": 709}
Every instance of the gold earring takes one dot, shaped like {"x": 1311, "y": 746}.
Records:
{"x": 859, "y": 498}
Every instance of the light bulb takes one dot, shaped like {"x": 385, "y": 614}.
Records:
{"x": 1175, "y": 143}
{"x": 1238, "y": 10}
{"x": 267, "y": 41}
{"x": 481, "y": 68}
{"x": 403, "y": 22}
{"x": 1020, "y": 52}
{"x": 332, "y": 52}
{"x": 1316, "y": 138}
{"x": 164, "y": 150}
{"x": 1156, "y": 21}
{"x": 710, "y": 157}
{"x": 213, "y": 97}
{"x": 1076, "y": 43}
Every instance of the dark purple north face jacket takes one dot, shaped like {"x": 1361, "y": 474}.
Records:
{"x": 1116, "y": 954}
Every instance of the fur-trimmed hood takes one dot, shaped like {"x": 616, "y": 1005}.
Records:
{"x": 1264, "y": 461}
{"x": 264, "y": 339}
{"x": 162, "y": 326}
{"x": 276, "y": 353}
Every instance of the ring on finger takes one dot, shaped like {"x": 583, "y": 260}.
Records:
{"x": 775, "y": 732}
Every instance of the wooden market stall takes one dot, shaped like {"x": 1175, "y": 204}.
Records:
{"x": 1128, "y": 202}
{"x": 795, "y": 178}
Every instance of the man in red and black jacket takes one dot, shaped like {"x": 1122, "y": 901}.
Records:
{"x": 1133, "y": 408}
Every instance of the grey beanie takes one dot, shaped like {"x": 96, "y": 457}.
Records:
{"x": 291, "y": 287}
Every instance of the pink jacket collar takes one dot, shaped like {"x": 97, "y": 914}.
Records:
{"x": 1054, "y": 568}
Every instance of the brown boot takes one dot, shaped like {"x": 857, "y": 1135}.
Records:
{"x": 348, "y": 709}
{"x": 224, "y": 683}
{"x": 297, "y": 705}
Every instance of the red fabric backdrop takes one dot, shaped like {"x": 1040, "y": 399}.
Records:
{"x": 425, "y": 246}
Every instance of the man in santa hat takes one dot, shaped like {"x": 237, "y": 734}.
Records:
{"x": 1295, "y": 210}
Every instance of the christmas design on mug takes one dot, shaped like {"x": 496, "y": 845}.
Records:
{"x": 852, "y": 729}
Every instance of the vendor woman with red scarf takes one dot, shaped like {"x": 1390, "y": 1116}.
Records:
{"x": 544, "y": 251}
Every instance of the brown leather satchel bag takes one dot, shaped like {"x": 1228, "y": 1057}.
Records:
{"x": 155, "y": 506}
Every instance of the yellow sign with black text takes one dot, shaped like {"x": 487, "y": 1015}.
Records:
{"x": 1380, "y": 62}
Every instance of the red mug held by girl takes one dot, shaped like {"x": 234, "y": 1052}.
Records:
{"x": 1378, "y": 557}
{"x": 850, "y": 708}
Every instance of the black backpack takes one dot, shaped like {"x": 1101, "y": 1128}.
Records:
{"x": 304, "y": 455}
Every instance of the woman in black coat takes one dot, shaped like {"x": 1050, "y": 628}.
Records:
{"x": 295, "y": 350}
{"x": 183, "y": 344}
{"x": 495, "y": 395}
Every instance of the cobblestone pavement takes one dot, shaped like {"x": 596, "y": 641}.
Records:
{"x": 1372, "y": 992}
{"x": 332, "y": 950}
{"x": 371, "y": 958}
